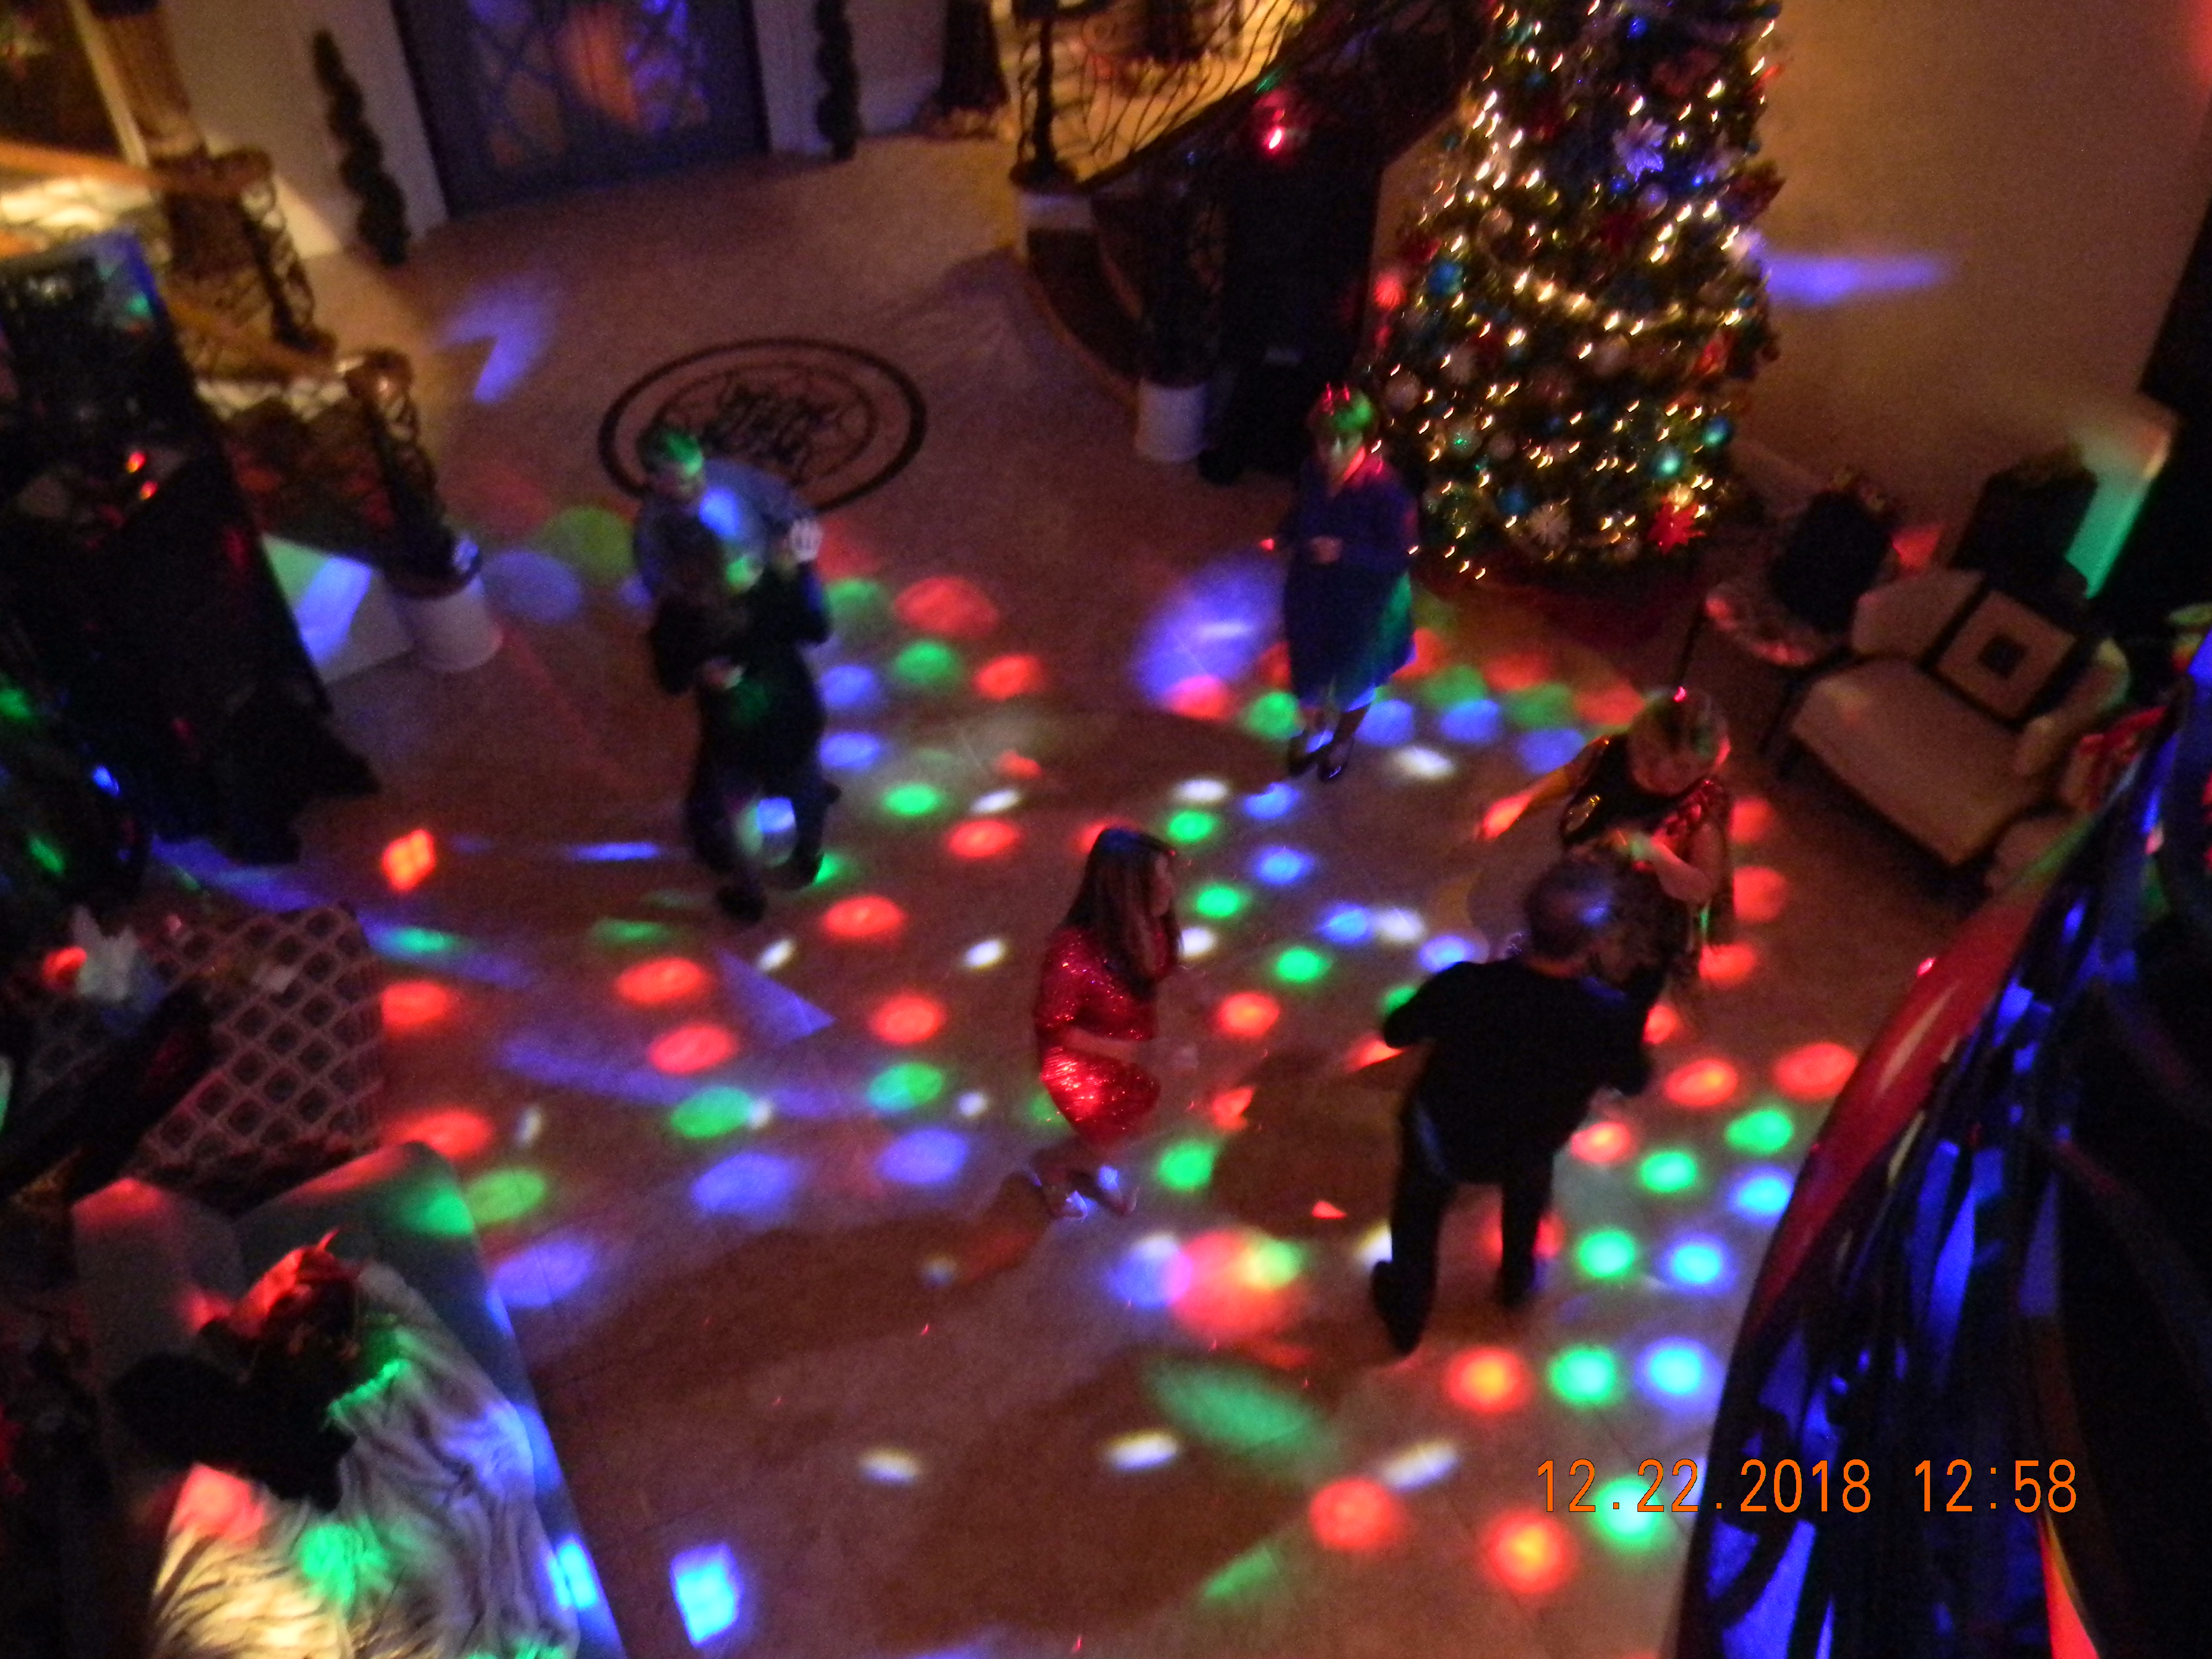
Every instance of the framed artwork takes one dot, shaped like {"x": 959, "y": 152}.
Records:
{"x": 57, "y": 87}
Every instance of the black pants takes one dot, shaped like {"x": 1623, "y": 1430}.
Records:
{"x": 1418, "y": 1207}
{"x": 722, "y": 786}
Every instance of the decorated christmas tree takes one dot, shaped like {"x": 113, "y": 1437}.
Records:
{"x": 1562, "y": 348}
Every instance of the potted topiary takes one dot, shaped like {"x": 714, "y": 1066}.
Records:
{"x": 1178, "y": 341}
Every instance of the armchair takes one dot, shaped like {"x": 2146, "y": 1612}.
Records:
{"x": 1956, "y": 710}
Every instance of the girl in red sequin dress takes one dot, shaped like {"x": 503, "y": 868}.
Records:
{"x": 1095, "y": 1011}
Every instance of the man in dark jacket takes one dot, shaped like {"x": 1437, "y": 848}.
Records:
{"x": 731, "y": 631}
{"x": 1520, "y": 1045}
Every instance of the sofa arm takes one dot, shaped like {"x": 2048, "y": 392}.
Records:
{"x": 1903, "y": 618}
{"x": 2096, "y": 696}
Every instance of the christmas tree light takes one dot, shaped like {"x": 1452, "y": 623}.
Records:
{"x": 1563, "y": 348}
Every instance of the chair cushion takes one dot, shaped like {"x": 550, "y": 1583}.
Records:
{"x": 1928, "y": 761}
{"x": 2004, "y": 658}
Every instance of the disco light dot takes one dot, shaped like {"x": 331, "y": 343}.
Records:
{"x": 982, "y": 838}
{"x": 1421, "y": 764}
{"x": 1300, "y": 965}
{"x": 1750, "y": 819}
{"x": 503, "y": 1195}
{"x": 952, "y": 605}
{"x": 456, "y": 1133}
{"x": 1529, "y": 1554}
{"x": 1270, "y": 1264}
{"x": 1618, "y": 1520}
{"x": 1668, "y": 1172}
{"x": 410, "y": 1004}
{"x": 1199, "y": 941}
{"x": 1761, "y": 1195}
{"x": 709, "y": 1592}
{"x": 973, "y": 1103}
{"x": 750, "y": 1183}
{"x": 1010, "y": 677}
{"x": 1389, "y": 723}
{"x": 1087, "y": 836}
{"x": 1270, "y": 803}
{"x": 999, "y": 800}
{"x": 610, "y": 931}
{"x": 907, "y": 1019}
{"x": 1152, "y": 1272}
{"x": 408, "y": 861}
{"x": 923, "y": 1157}
{"x": 1200, "y": 697}
{"x": 1486, "y": 1380}
{"x": 1248, "y": 1014}
{"x": 1603, "y": 1143}
{"x": 717, "y": 1111}
{"x": 1762, "y": 1132}
{"x": 1815, "y": 1072}
{"x": 913, "y": 800}
{"x": 1040, "y": 1111}
{"x": 1661, "y": 1024}
{"x": 1347, "y": 924}
{"x": 58, "y": 969}
{"x": 1727, "y": 966}
{"x": 774, "y": 817}
{"x": 904, "y": 1087}
{"x": 1358, "y": 1516}
{"x": 984, "y": 953}
{"x": 851, "y": 751}
{"x": 545, "y": 1272}
{"x": 849, "y": 686}
{"x": 1421, "y": 1464}
{"x": 1186, "y": 1167}
{"x": 1702, "y": 1084}
{"x": 1583, "y": 1378}
{"x": 1475, "y": 722}
{"x": 1546, "y": 751}
{"x": 1371, "y": 1051}
{"x": 1226, "y": 1109}
{"x": 575, "y": 1582}
{"x": 1761, "y": 894}
{"x": 926, "y": 666}
{"x": 1606, "y": 1254}
{"x": 1395, "y": 999}
{"x": 1201, "y": 792}
{"x": 662, "y": 980}
{"x": 414, "y": 943}
{"x": 1147, "y": 1448}
{"x": 698, "y": 1046}
{"x": 1675, "y": 1369}
{"x": 1281, "y": 867}
{"x": 777, "y": 955}
{"x": 1453, "y": 684}
{"x": 1696, "y": 1262}
{"x": 1219, "y": 902}
{"x": 1445, "y": 950}
{"x": 1272, "y": 715}
{"x": 887, "y": 1466}
{"x": 866, "y": 917}
{"x": 1193, "y": 828}
{"x": 1371, "y": 1247}
{"x": 1400, "y": 926}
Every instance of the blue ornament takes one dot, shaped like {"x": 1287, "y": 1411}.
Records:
{"x": 1718, "y": 431}
{"x": 1514, "y": 500}
{"x": 1667, "y": 463}
{"x": 1446, "y": 277}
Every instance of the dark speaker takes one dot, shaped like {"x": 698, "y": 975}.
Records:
{"x": 2024, "y": 522}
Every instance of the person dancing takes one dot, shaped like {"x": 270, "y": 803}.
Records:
{"x": 1095, "y": 1012}
{"x": 1348, "y": 593}
{"x": 1649, "y": 801}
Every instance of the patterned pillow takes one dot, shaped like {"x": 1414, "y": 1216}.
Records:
{"x": 2003, "y": 657}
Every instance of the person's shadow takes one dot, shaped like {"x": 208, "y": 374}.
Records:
{"x": 1318, "y": 1147}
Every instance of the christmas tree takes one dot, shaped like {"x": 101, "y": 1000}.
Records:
{"x": 1562, "y": 349}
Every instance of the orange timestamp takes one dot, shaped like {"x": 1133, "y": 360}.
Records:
{"x": 1788, "y": 1486}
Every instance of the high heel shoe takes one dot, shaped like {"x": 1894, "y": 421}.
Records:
{"x": 1333, "y": 758}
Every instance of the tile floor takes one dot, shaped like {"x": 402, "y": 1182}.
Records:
{"x": 809, "y": 1355}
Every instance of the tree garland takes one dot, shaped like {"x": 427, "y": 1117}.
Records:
{"x": 837, "y": 114}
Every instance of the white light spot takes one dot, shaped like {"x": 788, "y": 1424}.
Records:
{"x": 1422, "y": 764}
{"x": 530, "y": 1126}
{"x": 777, "y": 955}
{"x": 986, "y": 953}
{"x": 1198, "y": 942}
{"x": 939, "y": 1271}
{"x": 999, "y": 800}
{"x": 973, "y": 1104}
{"x": 1147, "y": 1448}
{"x": 1374, "y": 1245}
{"x": 1400, "y": 926}
{"x": 1421, "y": 1464}
{"x": 889, "y": 1466}
{"x": 1202, "y": 792}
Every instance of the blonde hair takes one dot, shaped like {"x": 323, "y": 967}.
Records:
{"x": 1684, "y": 721}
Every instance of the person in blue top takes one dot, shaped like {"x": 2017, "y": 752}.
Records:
{"x": 750, "y": 513}
{"x": 1348, "y": 593}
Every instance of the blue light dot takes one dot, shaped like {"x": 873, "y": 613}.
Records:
{"x": 1347, "y": 924}
{"x": 106, "y": 779}
{"x": 849, "y": 686}
{"x": 749, "y": 1183}
{"x": 1697, "y": 1262}
{"x": 1477, "y": 722}
{"x": 544, "y": 1274}
{"x": 1675, "y": 1369}
{"x": 1270, "y": 803}
{"x": 851, "y": 751}
{"x": 923, "y": 1157}
{"x": 576, "y": 1583}
{"x": 1445, "y": 949}
{"x": 1281, "y": 867}
{"x": 1152, "y": 1272}
{"x": 1388, "y": 723}
{"x": 1546, "y": 751}
{"x": 1761, "y": 1194}
{"x": 774, "y": 815}
{"x": 707, "y": 1591}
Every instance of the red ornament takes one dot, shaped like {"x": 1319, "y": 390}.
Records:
{"x": 1674, "y": 523}
{"x": 1713, "y": 361}
{"x": 1547, "y": 118}
{"x": 1618, "y": 231}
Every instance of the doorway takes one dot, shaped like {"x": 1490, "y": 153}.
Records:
{"x": 528, "y": 98}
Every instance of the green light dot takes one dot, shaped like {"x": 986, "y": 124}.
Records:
{"x": 1273, "y": 715}
{"x": 1396, "y": 998}
{"x": 834, "y": 865}
{"x": 1189, "y": 829}
{"x": 913, "y": 800}
{"x": 927, "y": 666}
{"x": 1248, "y": 1575}
{"x": 15, "y": 705}
{"x": 622, "y": 930}
{"x": 421, "y": 942}
{"x": 718, "y": 1110}
{"x": 1301, "y": 965}
{"x": 503, "y": 1195}
{"x": 441, "y": 1214}
{"x": 343, "y": 1562}
{"x": 1673, "y": 1171}
{"x": 1586, "y": 1377}
{"x": 1452, "y": 685}
{"x": 1040, "y": 1110}
{"x": 903, "y": 1087}
{"x": 1273, "y": 1264}
{"x": 1219, "y": 902}
{"x": 1627, "y": 1527}
{"x": 47, "y": 855}
{"x": 1762, "y": 1132}
{"x": 1606, "y": 1254}
{"x": 857, "y": 608}
{"x": 1541, "y": 708}
{"x": 1186, "y": 1167}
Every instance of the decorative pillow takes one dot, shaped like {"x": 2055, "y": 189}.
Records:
{"x": 2003, "y": 657}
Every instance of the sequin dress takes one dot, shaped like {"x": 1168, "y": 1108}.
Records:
{"x": 1102, "y": 1100}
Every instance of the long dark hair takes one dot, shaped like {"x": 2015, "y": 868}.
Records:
{"x": 1114, "y": 906}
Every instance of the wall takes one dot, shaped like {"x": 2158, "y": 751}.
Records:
{"x": 899, "y": 45}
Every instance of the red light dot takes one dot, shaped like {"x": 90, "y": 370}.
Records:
{"x": 457, "y": 1132}
{"x": 1529, "y": 1554}
{"x": 1702, "y": 1084}
{"x": 1325, "y": 1210}
{"x": 947, "y": 606}
{"x": 1012, "y": 764}
{"x": 1091, "y": 831}
{"x": 1230, "y": 1292}
{"x": 1429, "y": 655}
{"x": 1358, "y": 1515}
{"x": 1761, "y": 894}
{"x": 1814, "y": 1071}
{"x": 1490, "y": 1242}
{"x": 1518, "y": 671}
{"x": 1373, "y": 1052}
{"x": 1010, "y": 677}
{"x": 1274, "y": 140}
{"x": 1273, "y": 668}
{"x": 1750, "y": 820}
{"x": 1728, "y": 965}
{"x": 1926, "y": 962}
{"x": 690, "y": 1048}
{"x": 1227, "y": 1109}
{"x": 982, "y": 838}
{"x": 1661, "y": 1024}
{"x": 1603, "y": 1143}
{"x": 1389, "y": 291}
{"x": 1201, "y": 697}
{"x": 60, "y": 970}
{"x": 412, "y": 1004}
{"x": 865, "y": 917}
{"x": 907, "y": 1019}
{"x": 409, "y": 860}
{"x": 663, "y": 980}
{"x": 1487, "y": 1380}
{"x": 1248, "y": 1014}
{"x": 1608, "y": 705}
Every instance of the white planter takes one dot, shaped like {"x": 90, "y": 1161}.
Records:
{"x": 1170, "y": 421}
{"x": 453, "y": 632}
{"x": 1053, "y": 209}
